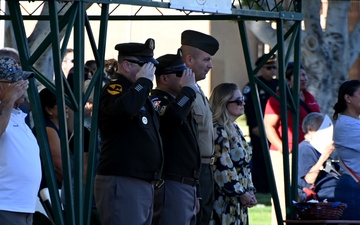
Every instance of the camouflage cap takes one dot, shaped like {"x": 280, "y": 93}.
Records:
{"x": 11, "y": 71}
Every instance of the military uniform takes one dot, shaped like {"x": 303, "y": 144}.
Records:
{"x": 131, "y": 155}
{"x": 131, "y": 145}
{"x": 259, "y": 174}
{"x": 203, "y": 116}
{"x": 182, "y": 161}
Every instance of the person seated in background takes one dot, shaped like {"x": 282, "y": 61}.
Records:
{"x": 314, "y": 182}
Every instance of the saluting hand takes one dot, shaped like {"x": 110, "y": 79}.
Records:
{"x": 13, "y": 91}
{"x": 188, "y": 79}
{"x": 147, "y": 71}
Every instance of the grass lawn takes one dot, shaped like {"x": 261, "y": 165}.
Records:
{"x": 261, "y": 214}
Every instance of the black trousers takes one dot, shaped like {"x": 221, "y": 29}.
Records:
{"x": 207, "y": 195}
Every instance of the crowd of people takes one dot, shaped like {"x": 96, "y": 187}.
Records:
{"x": 181, "y": 154}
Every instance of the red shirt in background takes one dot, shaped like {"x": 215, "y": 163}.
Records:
{"x": 273, "y": 107}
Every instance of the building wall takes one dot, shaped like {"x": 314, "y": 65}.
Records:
{"x": 229, "y": 62}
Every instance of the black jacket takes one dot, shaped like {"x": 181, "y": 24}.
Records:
{"x": 179, "y": 132}
{"x": 263, "y": 96}
{"x": 129, "y": 128}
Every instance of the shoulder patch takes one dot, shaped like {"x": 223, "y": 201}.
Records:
{"x": 157, "y": 104}
{"x": 246, "y": 89}
{"x": 114, "y": 89}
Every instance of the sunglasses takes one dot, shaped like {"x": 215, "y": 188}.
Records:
{"x": 140, "y": 63}
{"x": 179, "y": 73}
{"x": 270, "y": 67}
{"x": 238, "y": 101}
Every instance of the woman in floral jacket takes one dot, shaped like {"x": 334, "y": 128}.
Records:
{"x": 234, "y": 189}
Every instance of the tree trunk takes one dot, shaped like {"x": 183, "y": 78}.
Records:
{"x": 326, "y": 54}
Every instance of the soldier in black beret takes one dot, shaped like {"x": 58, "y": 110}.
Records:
{"x": 131, "y": 157}
{"x": 173, "y": 99}
{"x": 198, "y": 49}
{"x": 267, "y": 74}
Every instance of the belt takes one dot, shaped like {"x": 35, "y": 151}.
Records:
{"x": 208, "y": 160}
{"x": 180, "y": 179}
{"x": 158, "y": 184}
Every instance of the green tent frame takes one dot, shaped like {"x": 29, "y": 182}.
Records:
{"x": 78, "y": 197}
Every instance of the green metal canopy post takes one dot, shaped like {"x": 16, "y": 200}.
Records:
{"x": 79, "y": 197}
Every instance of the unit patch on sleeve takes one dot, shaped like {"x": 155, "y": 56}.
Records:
{"x": 114, "y": 89}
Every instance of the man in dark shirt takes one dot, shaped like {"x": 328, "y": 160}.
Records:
{"x": 173, "y": 97}
{"x": 131, "y": 155}
{"x": 267, "y": 74}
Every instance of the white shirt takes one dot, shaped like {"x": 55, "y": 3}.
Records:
{"x": 20, "y": 167}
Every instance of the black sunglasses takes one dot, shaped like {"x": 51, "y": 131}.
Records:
{"x": 270, "y": 67}
{"x": 140, "y": 63}
{"x": 179, "y": 73}
{"x": 238, "y": 101}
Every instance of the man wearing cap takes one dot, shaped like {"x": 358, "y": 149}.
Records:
{"x": 25, "y": 106}
{"x": 131, "y": 155}
{"x": 173, "y": 98}
{"x": 197, "y": 49}
{"x": 20, "y": 170}
{"x": 267, "y": 75}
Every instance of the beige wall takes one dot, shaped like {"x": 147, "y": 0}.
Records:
{"x": 229, "y": 61}
{"x": 229, "y": 64}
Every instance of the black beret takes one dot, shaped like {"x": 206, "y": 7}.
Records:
{"x": 270, "y": 60}
{"x": 143, "y": 52}
{"x": 199, "y": 40}
{"x": 169, "y": 63}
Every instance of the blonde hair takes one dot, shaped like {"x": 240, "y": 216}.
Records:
{"x": 219, "y": 99}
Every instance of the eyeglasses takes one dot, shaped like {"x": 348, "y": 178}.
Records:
{"x": 270, "y": 67}
{"x": 140, "y": 63}
{"x": 239, "y": 101}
